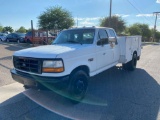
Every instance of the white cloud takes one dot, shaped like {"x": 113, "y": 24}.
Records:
{"x": 122, "y": 15}
{"x": 93, "y": 21}
{"x": 144, "y": 15}
{"x": 86, "y": 23}
{"x": 125, "y": 16}
{"x": 96, "y": 18}
{"x": 157, "y": 28}
{"x": 88, "y": 19}
{"x": 158, "y": 1}
{"x": 151, "y": 26}
{"x": 117, "y": 15}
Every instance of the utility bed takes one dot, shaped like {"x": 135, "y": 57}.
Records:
{"x": 129, "y": 44}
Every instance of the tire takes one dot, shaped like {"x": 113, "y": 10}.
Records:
{"x": 26, "y": 87}
{"x": 28, "y": 41}
{"x": 18, "y": 41}
{"x": 8, "y": 40}
{"x": 0, "y": 39}
{"x": 44, "y": 42}
{"x": 131, "y": 65}
{"x": 125, "y": 66}
{"x": 78, "y": 86}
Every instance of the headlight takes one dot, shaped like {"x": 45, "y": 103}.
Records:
{"x": 53, "y": 66}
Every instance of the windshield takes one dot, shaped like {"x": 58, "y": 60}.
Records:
{"x": 82, "y": 36}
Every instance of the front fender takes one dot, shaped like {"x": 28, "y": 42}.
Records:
{"x": 70, "y": 66}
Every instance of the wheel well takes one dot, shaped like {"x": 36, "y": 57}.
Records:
{"x": 83, "y": 67}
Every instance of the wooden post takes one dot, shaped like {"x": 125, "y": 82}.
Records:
{"x": 32, "y": 31}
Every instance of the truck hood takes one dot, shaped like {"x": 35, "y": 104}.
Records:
{"x": 49, "y": 51}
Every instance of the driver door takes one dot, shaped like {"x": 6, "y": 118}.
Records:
{"x": 104, "y": 53}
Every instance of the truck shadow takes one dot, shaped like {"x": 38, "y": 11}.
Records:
{"x": 112, "y": 95}
{"x": 130, "y": 95}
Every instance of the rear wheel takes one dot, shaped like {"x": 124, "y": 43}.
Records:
{"x": 78, "y": 86}
{"x": 131, "y": 65}
{"x": 125, "y": 66}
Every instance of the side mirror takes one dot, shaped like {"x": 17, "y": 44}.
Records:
{"x": 113, "y": 39}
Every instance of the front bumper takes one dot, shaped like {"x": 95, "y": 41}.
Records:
{"x": 36, "y": 81}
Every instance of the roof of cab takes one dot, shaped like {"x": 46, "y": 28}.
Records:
{"x": 88, "y": 28}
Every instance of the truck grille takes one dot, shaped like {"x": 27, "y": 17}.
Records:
{"x": 28, "y": 64}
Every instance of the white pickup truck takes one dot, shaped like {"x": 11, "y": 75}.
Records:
{"x": 75, "y": 55}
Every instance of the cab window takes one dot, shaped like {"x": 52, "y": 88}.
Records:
{"x": 112, "y": 34}
{"x": 102, "y": 37}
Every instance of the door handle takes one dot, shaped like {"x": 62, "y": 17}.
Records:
{"x": 104, "y": 53}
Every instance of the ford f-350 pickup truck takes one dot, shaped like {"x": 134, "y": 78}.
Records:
{"x": 75, "y": 55}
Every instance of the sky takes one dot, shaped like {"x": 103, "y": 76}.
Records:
{"x": 17, "y": 13}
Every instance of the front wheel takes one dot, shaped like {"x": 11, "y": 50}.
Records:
{"x": 78, "y": 86}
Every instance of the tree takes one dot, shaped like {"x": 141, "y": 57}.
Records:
{"x": 134, "y": 30}
{"x": 146, "y": 32}
{"x": 21, "y": 30}
{"x": 7, "y": 29}
{"x": 1, "y": 28}
{"x": 29, "y": 29}
{"x": 116, "y": 22}
{"x": 55, "y": 18}
{"x": 157, "y": 36}
{"x": 140, "y": 29}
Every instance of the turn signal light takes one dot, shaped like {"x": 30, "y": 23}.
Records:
{"x": 53, "y": 70}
